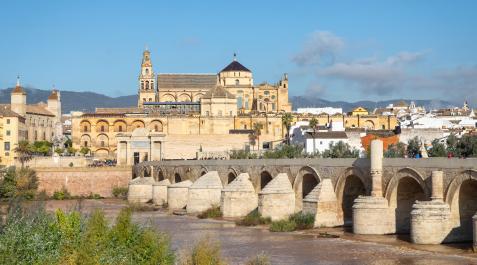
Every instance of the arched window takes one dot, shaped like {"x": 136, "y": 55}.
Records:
{"x": 102, "y": 128}
{"x": 142, "y": 85}
{"x": 150, "y": 99}
{"x": 102, "y": 143}
{"x": 237, "y": 82}
{"x": 85, "y": 144}
{"x": 147, "y": 71}
{"x": 239, "y": 102}
{"x": 85, "y": 128}
{"x": 147, "y": 85}
{"x": 156, "y": 128}
{"x": 120, "y": 128}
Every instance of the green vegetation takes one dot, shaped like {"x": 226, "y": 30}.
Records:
{"x": 36, "y": 237}
{"x": 120, "y": 192}
{"x": 252, "y": 219}
{"x": 213, "y": 212}
{"x": 255, "y": 136}
{"x": 413, "y": 147}
{"x": 205, "y": 252}
{"x": 284, "y": 151}
{"x": 242, "y": 154}
{"x": 282, "y": 226}
{"x": 41, "y": 147}
{"x": 297, "y": 221}
{"x": 303, "y": 220}
{"x": 24, "y": 152}
{"x": 62, "y": 194}
{"x": 260, "y": 259}
{"x": 287, "y": 120}
{"x": 340, "y": 150}
{"x": 84, "y": 150}
{"x": 395, "y": 150}
{"x": 438, "y": 149}
{"x": 19, "y": 183}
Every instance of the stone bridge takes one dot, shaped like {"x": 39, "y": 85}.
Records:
{"x": 398, "y": 183}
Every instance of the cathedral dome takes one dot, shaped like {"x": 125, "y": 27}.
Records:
{"x": 235, "y": 66}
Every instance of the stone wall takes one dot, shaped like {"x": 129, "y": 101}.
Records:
{"x": 83, "y": 181}
{"x": 57, "y": 161}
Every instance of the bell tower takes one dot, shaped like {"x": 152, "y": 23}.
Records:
{"x": 147, "y": 83}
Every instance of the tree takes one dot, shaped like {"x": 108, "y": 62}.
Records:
{"x": 438, "y": 149}
{"x": 313, "y": 124}
{"x": 71, "y": 150}
{"x": 24, "y": 152}
{"x": 257, "y": 131}
{"x": 287, "y": 120}
{"x": 413, "y": 147}
{"x": 467, "y": 146}
{"x": 395, "y": 150}
{"x": 340, "y": 150}
{"x": 451, "y": 143}
{"x": 84, "y": 150}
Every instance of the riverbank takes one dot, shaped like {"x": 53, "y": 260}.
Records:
{"x": 304, "y": 247}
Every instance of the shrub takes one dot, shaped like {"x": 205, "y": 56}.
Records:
{"x": 254, "y": 218}
{"x": 120, "y": 192}
{"x": 71, "y": 164}
{"x": 94, "y": 196}
{"x": 242, "y": 154}
{"x": 205, "y": 252}
{"x": 41, "y": 196}
{"x": 260, "y": 259}
{"x": 19, "y": 183}
{"x": 36, "y": 237}
{"x": 285, "y": 151}
{"x": 303, "y": 220}
{"x": 62, "y": 194}
{"x": 213, "y": 212}
{"x": 283, "y": 226}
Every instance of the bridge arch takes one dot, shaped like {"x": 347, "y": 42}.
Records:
{"x": 306, "y": 180}
{"x": 403, "y": 190}
{"x": 350, "y": 184}
{"x": 265, "y": 178}
{"x": 233, "y": 173}
{"x": 461, "y": 196}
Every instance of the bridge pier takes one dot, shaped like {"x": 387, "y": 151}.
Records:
{"x": 371, "y": 213}
{"x": 277, "y": 199}
{"x": 159, "y": 192}
{"x": 177, "y": 195}
{"x": 204, "y": 193}
{"x": 239, "y": 197}
{"x": 322, "y": 202}
{"x": 430, "y": 219}
{"x": 140, "y": 190}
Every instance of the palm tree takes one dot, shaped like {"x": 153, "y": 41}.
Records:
{"x": 257, "y": 131}
{"x": 24, "y": 152}
{"x": 313, "y": 124}
{"x": 287, "y": 120}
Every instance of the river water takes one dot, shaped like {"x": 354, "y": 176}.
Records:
{"x": 240, "y": 243}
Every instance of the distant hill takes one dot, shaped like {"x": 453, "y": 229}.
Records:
{"x": 88, "y": 101}
{"x": 82, "y": 101}
{"x": 310, "y": 101}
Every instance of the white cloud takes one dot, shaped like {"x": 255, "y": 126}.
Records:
{"x": 320, "y": 46}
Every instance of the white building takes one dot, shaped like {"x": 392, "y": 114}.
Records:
{"x": 323, "y": 140}
{"x": 316, "y": 111}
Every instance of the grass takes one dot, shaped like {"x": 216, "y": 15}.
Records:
{"x": 205, "y": 252}
{"x": 282, "y": 226}
{"x": 297, "y": 221}
{"x": 213, "y": 212}
{"x": 142, "y": 207}
{"x": 253, "y": 219}
{"x": 120, "y": 192}
{"x": 303, "y": 221}
{"x": 260, "y": 259}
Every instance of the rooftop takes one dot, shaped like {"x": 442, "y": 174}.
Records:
{"x": 204, "y": 81}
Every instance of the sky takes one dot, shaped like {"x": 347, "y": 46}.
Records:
{"x": 336, "y": 50}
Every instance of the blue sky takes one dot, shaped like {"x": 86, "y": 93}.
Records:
{"x": 338, "y": 50}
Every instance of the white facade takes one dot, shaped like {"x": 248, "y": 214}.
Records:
{"x": 327, "y": 110}
{"x": 323, "y": 141}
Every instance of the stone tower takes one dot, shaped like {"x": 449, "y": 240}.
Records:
{"x": 147, "y": 91}
{"x": 54, "y": 103}
{"x": 18, "y": 99}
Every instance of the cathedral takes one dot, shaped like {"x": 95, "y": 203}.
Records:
{"x": 185, "y": 89}
{"x": 188, "y": 115}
